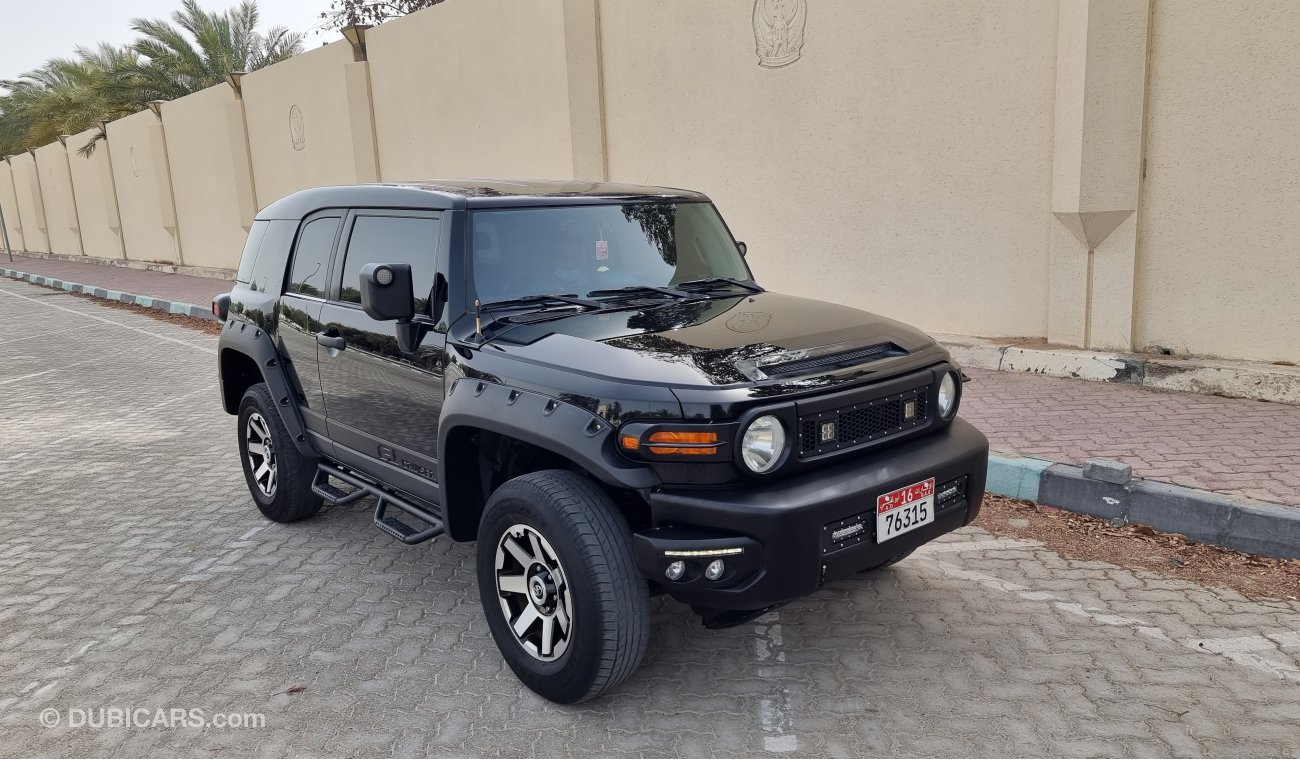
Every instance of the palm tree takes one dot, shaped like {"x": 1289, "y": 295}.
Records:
{"x": 196, "y": 49}
{"x": 65, "y": 96}
{"x": 200, "y": 48}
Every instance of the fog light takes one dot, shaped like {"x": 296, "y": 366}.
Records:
{"x": 715, "y": 569}
{"x": 676, "y": 570}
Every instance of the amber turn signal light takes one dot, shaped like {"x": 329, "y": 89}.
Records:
{"x": 696, "y": 442}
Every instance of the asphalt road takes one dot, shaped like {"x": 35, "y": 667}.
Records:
{"x": 136, "y": 575}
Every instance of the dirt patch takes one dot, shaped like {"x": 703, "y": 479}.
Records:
{"x": 194, "y": 323}
{"x": 1140, "y": 547}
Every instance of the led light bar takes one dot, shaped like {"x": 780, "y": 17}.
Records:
{"x": 705, "y": 552}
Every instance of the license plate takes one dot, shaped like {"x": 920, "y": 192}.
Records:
{"x": 904, "y": 509}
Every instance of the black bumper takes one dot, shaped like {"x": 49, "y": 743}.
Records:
{"x": 784, "y": 528}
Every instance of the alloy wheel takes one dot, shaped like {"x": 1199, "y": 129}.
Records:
{"x": 534, "y": 592}
{"x": 261, "y": 454}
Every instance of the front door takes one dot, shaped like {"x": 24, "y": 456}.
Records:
{"x": 300, "y": 308}
{"x": 383, "y": 404}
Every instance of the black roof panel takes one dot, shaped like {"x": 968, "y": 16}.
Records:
{"x": 469, "y": 193}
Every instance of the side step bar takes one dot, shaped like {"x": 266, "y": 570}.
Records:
{"x": 391, "y": 525}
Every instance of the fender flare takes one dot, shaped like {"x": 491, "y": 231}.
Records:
{"x": 258, "y": 345}
{"x": 537, "y": 419}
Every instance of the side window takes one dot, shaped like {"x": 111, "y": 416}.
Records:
{"x": 251, "y": 246}
{"x": 268, "y": 273}
{"x": 393, "y": 240}
{"x": 311, "y": 259}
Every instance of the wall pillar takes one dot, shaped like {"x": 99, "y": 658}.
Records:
{"x": 72, "y": 198}
{"x": 241, "y": 161}
{"x": 361, "y": 120}
{"x": 1097, "y": 167}
{"x": 162, "y": 178}
{"x": 586, "y": 89}
{"x": 109, "y": 192}
{"x": 41, "y": 221}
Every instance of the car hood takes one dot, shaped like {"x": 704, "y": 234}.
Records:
{"x": 740, "y": 340}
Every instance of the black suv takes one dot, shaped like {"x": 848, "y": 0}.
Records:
{"x": 584, "y": 378}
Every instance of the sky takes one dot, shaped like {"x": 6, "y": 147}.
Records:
{"x": 37, "y": 30}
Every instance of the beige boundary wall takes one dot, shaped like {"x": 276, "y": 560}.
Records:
{"x": 9, "y": 205}
{"x": 1218, "y": 265}
{"x": 138, "y": 154}
{"x": 1114, "y": 174}
{"x": 64, "y": 229}
{"x": 207, "y": 149}
{"x": 31, "y": 205}
{"x": 92, "y": 181}
{"x": 309, "y": 122}
{"x": 493, "y": 93}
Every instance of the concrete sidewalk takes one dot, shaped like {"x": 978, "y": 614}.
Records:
{"x": 1235, "y": 448}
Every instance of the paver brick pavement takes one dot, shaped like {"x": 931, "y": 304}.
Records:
{"x": 136, "y": 572}
{"x": 142, "y": 282}
{"x": 1236, "y": 447}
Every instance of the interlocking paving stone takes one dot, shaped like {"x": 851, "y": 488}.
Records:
{"x": 1235, "y": 447}
{"x": 136, "y": 572}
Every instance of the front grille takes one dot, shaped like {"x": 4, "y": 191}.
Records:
{"x": 865, "y": 421}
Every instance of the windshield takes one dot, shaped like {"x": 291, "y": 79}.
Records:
{"x": 520, "y": 252}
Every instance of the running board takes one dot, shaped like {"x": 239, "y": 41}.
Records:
{"x": 361, "y": 488}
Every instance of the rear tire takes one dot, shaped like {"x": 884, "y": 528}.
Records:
{"x": 279, "y": 477}
{"x": 555, "y": 563}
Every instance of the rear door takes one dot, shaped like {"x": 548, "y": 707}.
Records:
{"x": 300, "y": 308}
{"x": 383, "y": 404}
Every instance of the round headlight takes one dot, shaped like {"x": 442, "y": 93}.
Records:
{"x": 763, "y": 443}
{"x": 947, "y": 395}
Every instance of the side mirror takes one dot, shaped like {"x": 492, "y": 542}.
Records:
{"x": 386, "y": 292}
{"x": 743, "y": 248}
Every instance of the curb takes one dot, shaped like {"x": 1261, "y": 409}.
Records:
{"x": 1236, "y": 379}
{"x": 148, "y": 302}
{"x": 1203, "y": 516}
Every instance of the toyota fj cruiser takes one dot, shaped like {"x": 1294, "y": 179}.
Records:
{"x": 585, "y": 379}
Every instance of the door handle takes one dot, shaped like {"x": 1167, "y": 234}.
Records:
{"x": 335, "y": 342}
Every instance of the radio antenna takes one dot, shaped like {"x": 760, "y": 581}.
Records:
{"x": 478, "y": 318}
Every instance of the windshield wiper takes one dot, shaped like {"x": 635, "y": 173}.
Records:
{"x": 539, "y": 300}
{"x": 642, "y": 290}
{"x": 706, "y": 281}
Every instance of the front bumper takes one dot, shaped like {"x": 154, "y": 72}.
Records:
{"x": 783, "y": 527}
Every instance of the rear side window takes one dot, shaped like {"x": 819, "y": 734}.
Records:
{"x": 268, "y": 272}
{"x": 311, "y": 259}
{"x": 251, "y": 246}
{"x": 392, "y": 240}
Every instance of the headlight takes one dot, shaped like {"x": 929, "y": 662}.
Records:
{"x": 947, "y": 395}
{"x": 763, "y": 443}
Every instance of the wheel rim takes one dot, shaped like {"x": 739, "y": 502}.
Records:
{"x": 534, "y": 593}
{"x": 261, "y": 454}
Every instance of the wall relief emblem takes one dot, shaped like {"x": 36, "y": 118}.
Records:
{"x": 297, "y": 135}
{"x": 778, "y": 31}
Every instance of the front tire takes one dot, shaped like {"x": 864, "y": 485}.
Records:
{"x": 559, "y": 585}
{"x": 278, "y": 476}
